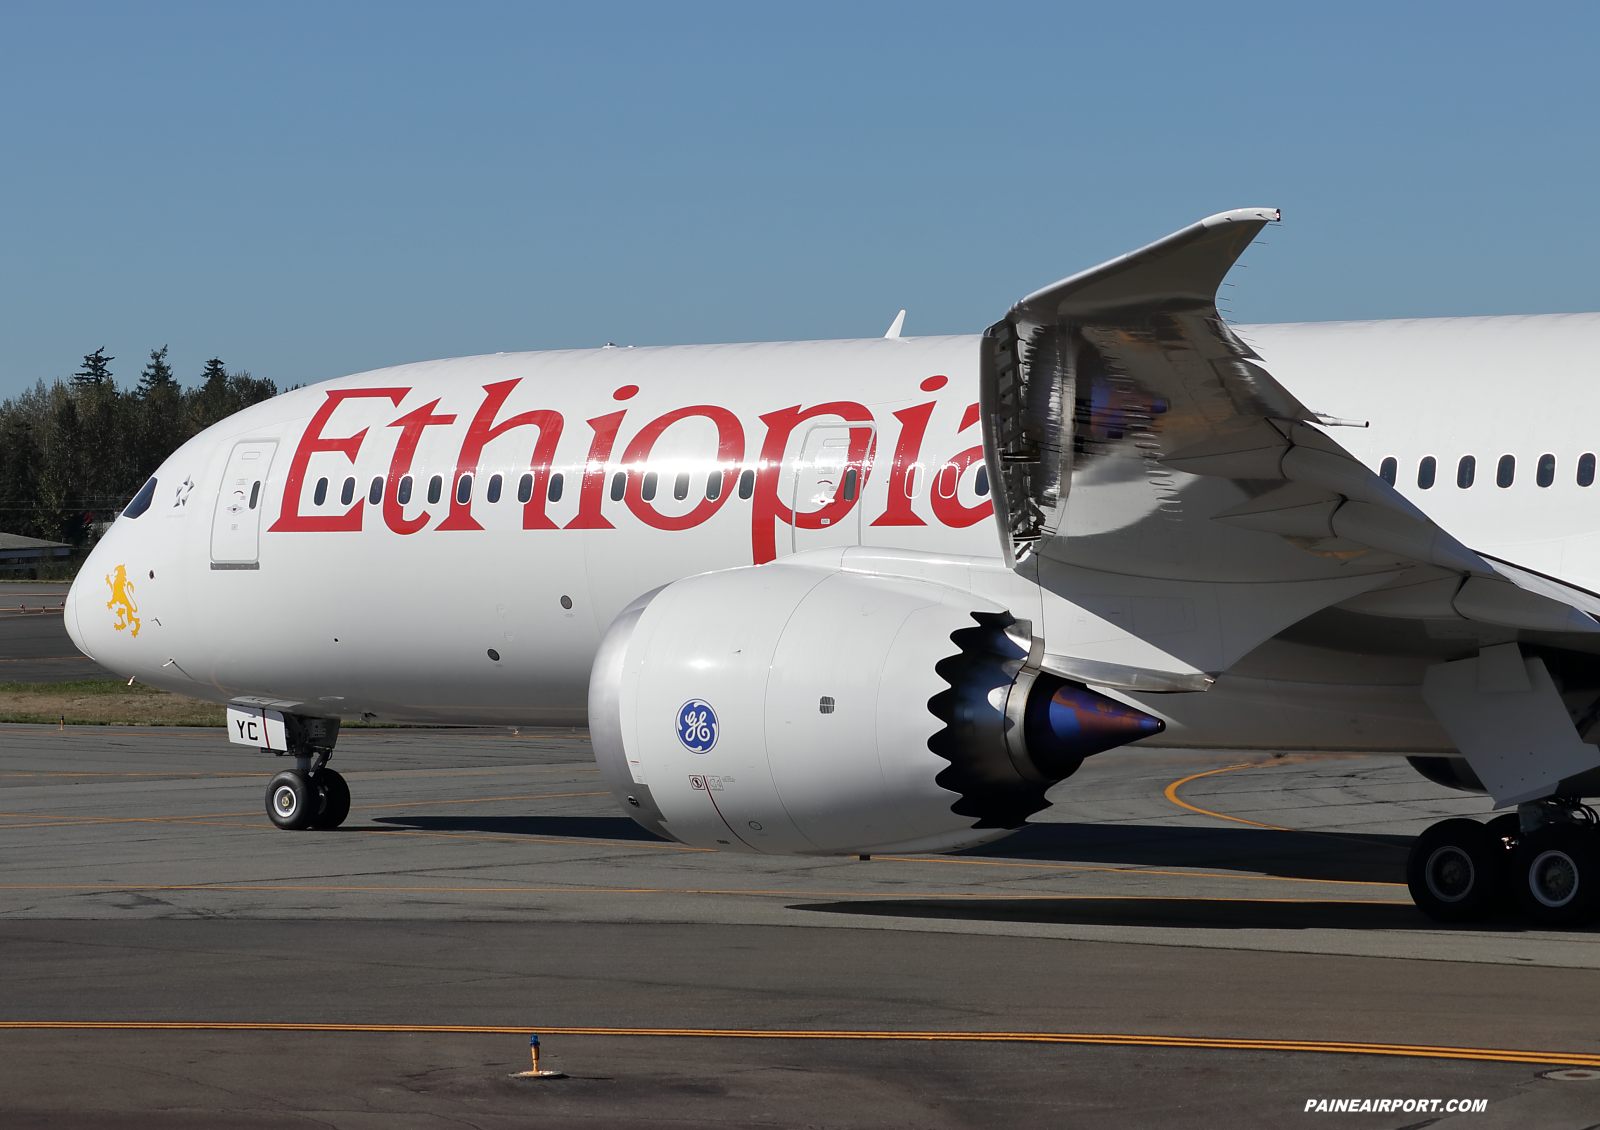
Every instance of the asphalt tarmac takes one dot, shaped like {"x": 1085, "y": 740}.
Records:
{"x": 34, "y": 645}
{"x": 1186, "y": 939}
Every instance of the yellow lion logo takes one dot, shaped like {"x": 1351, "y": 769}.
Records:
{"x": 122, "y": 600}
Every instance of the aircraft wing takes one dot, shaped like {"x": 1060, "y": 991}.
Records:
{"x": 1141, "y": 451}
{"x": 1148, "y": 467}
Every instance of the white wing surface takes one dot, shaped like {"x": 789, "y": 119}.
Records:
{"x": 1148, "y": 468}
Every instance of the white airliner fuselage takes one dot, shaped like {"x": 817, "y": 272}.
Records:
{"x": 871, "y": 595}
{"x": 389, "y": 611}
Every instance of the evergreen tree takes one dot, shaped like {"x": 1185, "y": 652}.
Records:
{"x": 160, "y": 415}
{"x": 60, "y": 484}
{"x": 96, "y": 370}
{"x": 157, "y": 375}
{"x": 73, "y": 453}
{"x": 19, "y": 477}
{"x": 222, "y": 394}
{"x": 247, "y": 390}
{"x": 209, "y": 402}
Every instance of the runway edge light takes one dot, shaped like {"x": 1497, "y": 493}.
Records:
{"x": 533, "y": 1050}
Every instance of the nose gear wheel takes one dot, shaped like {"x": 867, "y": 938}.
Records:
{"x": 292, "y": 801}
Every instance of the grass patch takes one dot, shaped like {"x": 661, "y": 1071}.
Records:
{"x": 103, "y": 702}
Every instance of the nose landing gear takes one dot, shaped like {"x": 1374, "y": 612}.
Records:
{"x": 310, "y": 795}
{"x": 292, "y": 800}
{"x": 1543, "y": 861}
{"x": 299, "y": 799}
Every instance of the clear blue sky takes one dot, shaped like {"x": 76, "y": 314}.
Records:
{"x": 309, "y": 190}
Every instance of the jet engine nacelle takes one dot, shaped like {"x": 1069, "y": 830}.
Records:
{"x": 792, "y": 709}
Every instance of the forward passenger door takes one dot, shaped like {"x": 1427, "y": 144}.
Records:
{"x": 236, "y": 525}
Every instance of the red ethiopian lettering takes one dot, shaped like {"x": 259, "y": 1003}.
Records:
{"x": 311, "y": 441}
{"x": 730, "y": 453}
{"x": 594, "y": 473}
{"x": 913, "y": 424}
{"x": 411, "y": 426}
{"x": 768, "y": 509}
{"x": 480, "y": 432}
{"x": 946, "y": 506}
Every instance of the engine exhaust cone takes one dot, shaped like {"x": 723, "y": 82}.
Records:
{"x": 1066, "y": 722}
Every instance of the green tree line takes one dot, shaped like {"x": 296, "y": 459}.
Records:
{"x": 72, "y": 453}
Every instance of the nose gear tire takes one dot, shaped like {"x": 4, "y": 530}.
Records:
{"x": 335, "y": 799}
{"x": 292, "y": 801}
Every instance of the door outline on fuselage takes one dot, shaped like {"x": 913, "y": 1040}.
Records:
{"x": 861, "y": 468}
{"x": 241, "y": 498}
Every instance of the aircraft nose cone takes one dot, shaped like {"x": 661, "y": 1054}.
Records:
{"x": 69, "y": 614}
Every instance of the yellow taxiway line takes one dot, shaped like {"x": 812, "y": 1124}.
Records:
{"x": 1172, "y": 795}
{"x": 1425, "y": 1051}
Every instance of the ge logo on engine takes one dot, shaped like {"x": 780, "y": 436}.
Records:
{"x": 697, "y": 725}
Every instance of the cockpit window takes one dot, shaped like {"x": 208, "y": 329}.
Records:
{"x": 141, "y": 501}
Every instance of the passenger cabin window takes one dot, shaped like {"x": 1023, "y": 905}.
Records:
{"x": 1585, "y": 469}
{"x": 1388, "y": 470}
{"x": 1426, "y": 470}
{"x": 493, "y": 493}
{"x": 348, "y": 494}
{"x": 648, "y": 490}
{"x": 375, "y": 495}
{"x": 321, "y": 494}
{"x": 680, "y": 486}
{"x": 714, "y": 485}
{"x": 1466, "y": 471}
{"x": 1546, "y": 474}
{"x": 619, "y": 485}
{"x": 557, "y": 482}
{"x": 980, "y": 485}
{"x": 403, "y": 495}
{"x": 1506, "y": 471}
{"x": 525, "y": 488}
{"x": 435, "y": 488}
{"x": 463, "y": 489}
{"x": 747, "y": 483}
{"x": 147, "y": 494}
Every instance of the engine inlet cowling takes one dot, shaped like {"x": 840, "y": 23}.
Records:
{"x": 1012, "y": 731}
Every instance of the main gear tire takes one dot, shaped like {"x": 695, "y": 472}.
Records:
{"x": 1555, "y": 875}
{"x": 1456, "y": 871}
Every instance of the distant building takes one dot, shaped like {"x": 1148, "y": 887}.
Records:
{"x": 18, "y": 553}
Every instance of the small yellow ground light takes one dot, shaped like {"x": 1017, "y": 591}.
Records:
{"x": 533, "y": 1050}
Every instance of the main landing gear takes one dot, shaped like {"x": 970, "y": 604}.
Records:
{"x": 1543, "y": 862}
{"x": 315, "y": 797}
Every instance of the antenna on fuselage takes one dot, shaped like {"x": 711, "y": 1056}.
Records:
{"x": 899, "y": 320}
